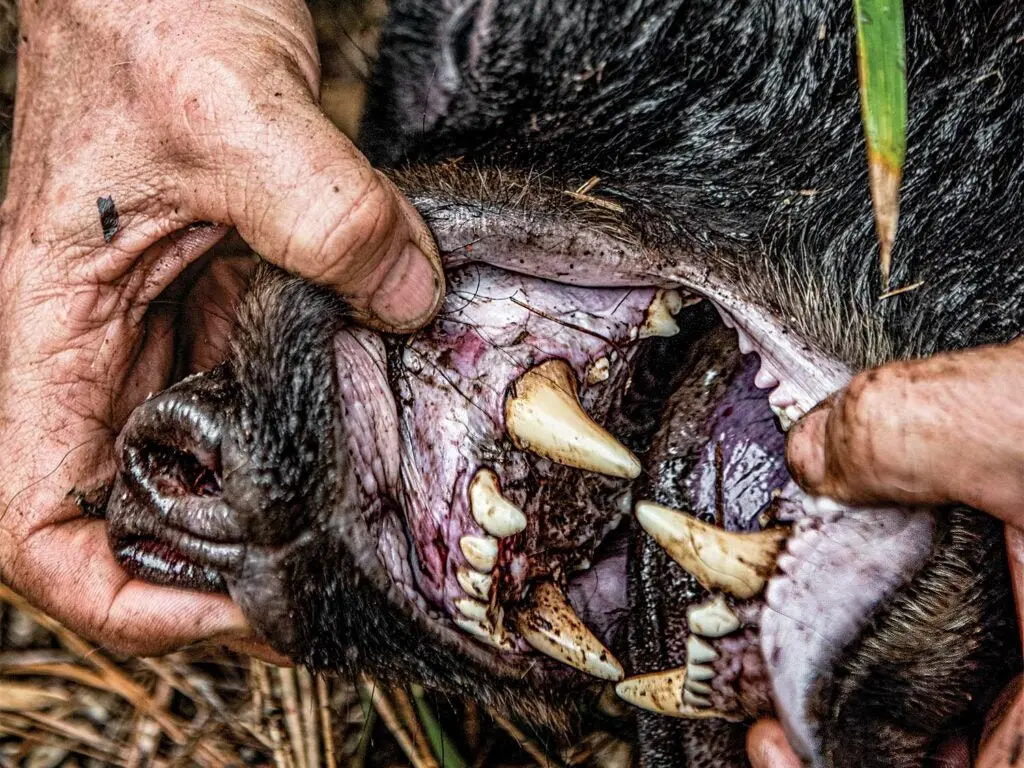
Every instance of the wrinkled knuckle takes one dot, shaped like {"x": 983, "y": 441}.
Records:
{"x": 362, "y": 233}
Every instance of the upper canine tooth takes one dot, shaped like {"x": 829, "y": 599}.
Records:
{"x": 552, "y": 627}
{"x": 712, "y": 619}
{"x": 659, "y": 320}
{"x": 480, "y": 551}
{"x": 495, "y": 514}
{"x": 737, "y": 563}
{"x": 474, "y": 582}
{"x": 543, "y": 415}
{"x": 660, "y": 692}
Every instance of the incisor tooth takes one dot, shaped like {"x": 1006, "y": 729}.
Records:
{"x": 698, "y": 672}
{"x": 697, "y": 686}
{"x": 737, "y": 563}
{"x": 712, "y": 619}
{"x": 543, "y": 415}
{"x": 481, "y": 631}
{"x": 495, "y": 514}
{"x": 472, "y": 609}
{"x": 695, "y": 699}
{"x": 660, "y": 320}
{"x": 699, "y": 650}
{"x": 552, "y": 627}
{"x": 480, "y": 551}
{"x": 474, "y": 583}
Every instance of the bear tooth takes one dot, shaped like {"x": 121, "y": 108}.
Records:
{"x": 472, "y": 609}
{"x": 543, "y": 415}
{"x": 483, "y": 632}
{"x": 659, "y": 320}
{"x": 784, "y": 421}
{"x": 736, "y": 563}
{"x": 699, "y": 650}
{"x": 697, "y": 686}
{"x": 598, "y": 371}
{"x": 551, "y": 626}
{"x": 660, "y": 692}
{"x": 474, "y": 583}
{"x": 699, "y": 672}
{"x": 481, "y": 552}
{"x": 695, "y": 700}
{"x": 492, "y": 511}
{"x": 712, "y": 619}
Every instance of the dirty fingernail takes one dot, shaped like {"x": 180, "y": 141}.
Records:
{"x": 805, "y": 449}
{"x": 411, "y": 294}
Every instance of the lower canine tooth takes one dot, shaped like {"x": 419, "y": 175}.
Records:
{"x": 474, "y": 583}
{"x": 543, "y": 415}
{"x": 480, "y": 551}
{"x": 736, "y": 563}
{"x": 660, "y": 692}
{"x": 712, "y": 619}
{"x": 551, "y": 626}
{"x": 495, "y": 514}
{"x": 659, "y": 321}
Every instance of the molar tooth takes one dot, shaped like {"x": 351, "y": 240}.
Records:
{"x": 660, "y": 692}
{"x": 472, "y": 609}
{"x": 699, "y": 650}
{"x": 780, "y": 413}
{"x": 712, "y": 619}
{"x": 698, "y": 672}
{"x": 480, "y": 551}
{"x": 697, "y": 686}
{"x": 495, "y": 514}
{"x": 482, "y": 631}
{"x": 598, "y": 371}
{"x": 551, "y": 626}
{"x": 474, "y": 582}
{"x": 794, "y": 413}
{"x": 543, "y": 415}
{"x": 692, "y": 699}
{"x": 736, "y": 563}
{"x": 659, "y": 320}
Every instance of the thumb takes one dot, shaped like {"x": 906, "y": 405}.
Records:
{"x": 767, "y": 746}
{"x": 305, "y": 199}
{"x": 944, "y": 429}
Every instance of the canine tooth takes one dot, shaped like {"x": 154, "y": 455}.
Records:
{"x": 598, "y": 371}
{"x": 472, "y": 609}
{"x": 692, "y": 699}
{"x": 697, "y": 686}
{"x": 660, "y": 692}
{"x": 659, "y": 320}
{"x": 480, "y": 551}
{"x": 552, "y": 627}
{"x": 698, "y": 672}
{"x": 543, "y": 415}
{"x": 699, "y": 650}
{"x": 712, "y": 619}
{"x": 495, "y": 514}
{"x": 737, "y": 563}
{"x": 474, "y": 582}
{"x": 483, "y": 632}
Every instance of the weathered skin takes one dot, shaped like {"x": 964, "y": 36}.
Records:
{"x": 727, "y": 140}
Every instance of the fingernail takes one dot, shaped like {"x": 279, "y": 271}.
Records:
{"x": 411, "y": 294}
{"x": 805, "y": 449}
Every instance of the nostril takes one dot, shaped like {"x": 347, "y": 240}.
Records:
{"x": 176, "y": 472}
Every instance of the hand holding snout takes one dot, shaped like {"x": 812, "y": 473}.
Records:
{"x": 136, "y": 122}
{"x": 947, "y": 429}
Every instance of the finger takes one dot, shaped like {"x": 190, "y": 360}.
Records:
{"x": 75, "y": 578}
{"x": 944, "y": 429}
{"x": 767, "y": 746}
{"x": 304, "y": 198}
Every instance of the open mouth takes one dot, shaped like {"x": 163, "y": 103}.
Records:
{"x": 496, "y": 460}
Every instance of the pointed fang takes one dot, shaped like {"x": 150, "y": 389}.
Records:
{"x": 543, "y": 415}
{"x": 551, "y": 626}
{"x": 492, "y": 511}
{"x": 665, "y": 694}
{"x": 739, "y": 564}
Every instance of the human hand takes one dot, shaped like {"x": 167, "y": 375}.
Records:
{"x": 133, "y": 122}
{"x": 947, "y": 429}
